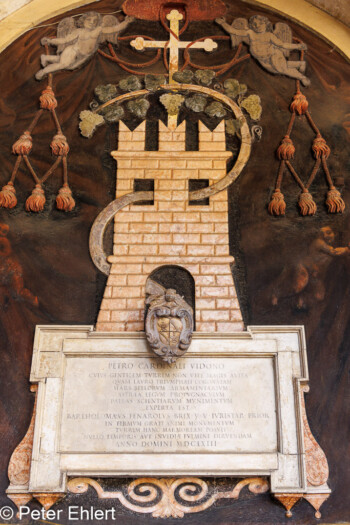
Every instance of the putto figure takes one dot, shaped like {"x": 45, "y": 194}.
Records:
{"x": 270, "y": 47}
{"x": 77, "y": 43}
{"x": 306, "y": 278}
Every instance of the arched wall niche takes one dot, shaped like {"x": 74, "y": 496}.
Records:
{"x": 178, "y": 278}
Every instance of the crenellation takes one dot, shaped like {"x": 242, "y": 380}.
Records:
{"x": 171, "y": 231}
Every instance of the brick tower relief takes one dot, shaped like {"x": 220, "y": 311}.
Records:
{"x": 172, "y": 230}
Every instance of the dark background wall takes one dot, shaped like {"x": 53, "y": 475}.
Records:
{"x": 52, "y": 247}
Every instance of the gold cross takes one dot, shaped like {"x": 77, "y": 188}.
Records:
{"x": 174, "y": 44}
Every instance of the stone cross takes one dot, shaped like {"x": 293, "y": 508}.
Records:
{"x": 174, "y": 43}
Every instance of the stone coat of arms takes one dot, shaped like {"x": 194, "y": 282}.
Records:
{"x": 169, "y": 322}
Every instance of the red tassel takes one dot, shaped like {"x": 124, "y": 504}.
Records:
{"x": 8, "y": 196}
{"x": 59, "y": 145}
{"x": 64, "y": 199}
{"x": 286, "y": 149}
{"x": 320, "y": 148}
{"x": 306, "y": 204}
{"x": 299, "y": 104}
{"x": 23, "y": 145}
{"x": 277, "y": 206}
{"x": 36, "y": 200}
{"x": 48, "y": 99}
{"x": 334, "y": 202}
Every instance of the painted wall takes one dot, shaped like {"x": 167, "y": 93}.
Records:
{"x": 50, "y": 250}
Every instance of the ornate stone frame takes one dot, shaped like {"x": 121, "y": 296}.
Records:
{"x": 297, "y": 469}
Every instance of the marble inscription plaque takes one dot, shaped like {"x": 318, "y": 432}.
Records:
{"x": 142, "y": 405}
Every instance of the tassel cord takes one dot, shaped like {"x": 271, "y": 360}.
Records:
{"x": 328, "y": 175}
{"x": 312, "y": 124}
{"x": 65, "y": 170}
{"x": 280, "y": 174}
{"x": 295, "y": 175}
{"x": 59, "y": 159}
{"x": 56, "y": 121}
{"x": 16, "y": 168}
{"x": 290, "y": 125}
{"x": 313, "y": 173}
{"x": 47, "y": 174}
{"x": 30, "y": 168}
{"x": 51, "y": 170}
{"x": 35, "y": 120}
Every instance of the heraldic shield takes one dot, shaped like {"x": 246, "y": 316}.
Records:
{"x": 169, "y": 322}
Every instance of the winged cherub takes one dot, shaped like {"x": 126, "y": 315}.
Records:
{"x": 270, "y": 47}
{"x": 75, "y": 45}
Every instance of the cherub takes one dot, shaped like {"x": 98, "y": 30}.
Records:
{"x": 269, "y": 46}
{"x": 307, "y": 276}
{"x": 75, "y": 45}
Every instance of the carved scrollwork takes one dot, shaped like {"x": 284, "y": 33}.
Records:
{"x": 168, "y": 497}
{"x": 20, "y": 461}
{"x": 169, "y": 323}
{"x": 317, "y": 471}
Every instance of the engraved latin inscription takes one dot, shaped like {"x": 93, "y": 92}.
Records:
{"x": 126, "y": 405}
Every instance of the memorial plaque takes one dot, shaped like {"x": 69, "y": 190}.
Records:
{"x": 141, "y": 404}
{"x": 107, "y": 406}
